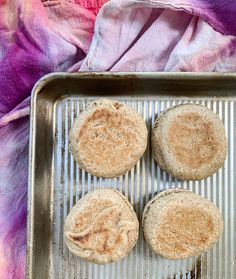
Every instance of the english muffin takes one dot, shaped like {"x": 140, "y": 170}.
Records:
{"x": 189, "y": 142}
{"x": 179, "y": 224}
{"x": 108, "y": 138}
{"x": 102, "y": 227}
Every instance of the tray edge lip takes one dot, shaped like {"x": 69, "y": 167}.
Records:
{"x": 157, "y": 75}
{"x": 30, "y": 189}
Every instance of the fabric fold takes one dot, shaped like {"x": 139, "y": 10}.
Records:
{"x": 134, "y": 45}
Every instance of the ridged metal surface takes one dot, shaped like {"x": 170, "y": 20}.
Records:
{"x": 139, "y": 186}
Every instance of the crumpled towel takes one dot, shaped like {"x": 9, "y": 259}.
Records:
{"x": 55, "y": 35}
{"x": 138, "y": 35}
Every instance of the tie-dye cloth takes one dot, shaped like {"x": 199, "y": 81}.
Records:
{"x": 38, "y": 37}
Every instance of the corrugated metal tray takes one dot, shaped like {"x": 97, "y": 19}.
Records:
{"x": 56, "y": 182}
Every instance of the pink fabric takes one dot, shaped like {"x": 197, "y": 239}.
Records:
{"x": 38, "y": 37}
{"x": 139, "y": 36}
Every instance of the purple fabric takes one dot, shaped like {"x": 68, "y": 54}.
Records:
{"x": 13, "y": 192}
{"x": 130, "y": 35}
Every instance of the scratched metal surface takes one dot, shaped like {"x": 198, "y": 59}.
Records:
{"x": 56, "y": 182}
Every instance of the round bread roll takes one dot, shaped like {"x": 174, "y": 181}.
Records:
{"x": 108, "y": 138}
{"x": 179, "y": 224}
{"x": 189, "y": 142}
{"x": 102, "y": 227}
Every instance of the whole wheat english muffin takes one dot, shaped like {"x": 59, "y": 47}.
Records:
{"x": 179, "y": 224}
{"x": 189, "y": 142}
{"x": 108, "y": 138}
{"x": 102, "y": 227}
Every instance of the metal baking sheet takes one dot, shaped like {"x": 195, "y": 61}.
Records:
{"x": 56, "y": 182}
